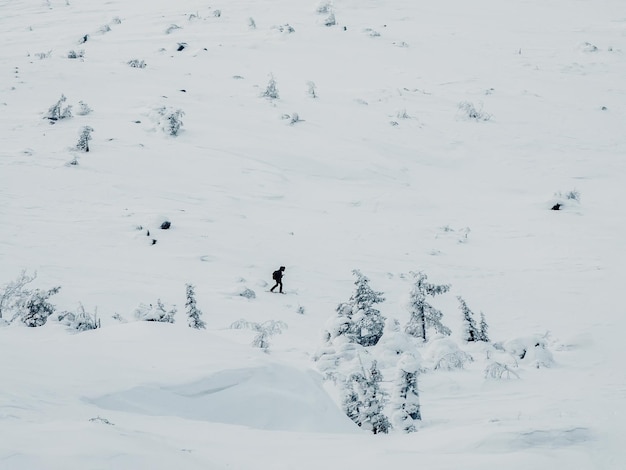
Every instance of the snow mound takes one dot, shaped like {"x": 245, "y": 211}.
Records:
{"x": 272, "y": 397}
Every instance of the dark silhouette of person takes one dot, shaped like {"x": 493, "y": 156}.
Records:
{"x": 278, "y": 277}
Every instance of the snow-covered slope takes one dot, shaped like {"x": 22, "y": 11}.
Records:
{"x": 438, "y": 137}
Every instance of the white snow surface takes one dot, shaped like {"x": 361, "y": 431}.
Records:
{"x": 382, "y": 172}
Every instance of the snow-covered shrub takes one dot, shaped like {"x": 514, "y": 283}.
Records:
{"x": 530, "y": 350}
{"x": 76, "y": 54}
{"x": 251, "y": 23}
{"x": 84, "y": 138}
{"x": 330, "y": 20}
{"x": 35, "y": 309}
{"x": 271, "y": 91}
{"x": 338, "y": 360}
{"x": 394, "y": 343}
{"x": 83, "y": 109}
{"x": 193, "y": 313}
{"x": 57, "y": 112}
{"x": 264, "y": 331}
{"x": 171, "y": 28}
{"x": 311, "y": 89}
{"x": 81, "y": 320}
{"x": 445, "y": 354}
{"x": 405, "y": 397}
{"x": 156, "y": 313}
{"x": 565, "y": 200}
{"x": 324, "y": 8}
{"x": 137, "y": 64}
{"x": 247, "y": 293}
{"x": 471, "y": 112}
{"x": 499, "y": 370}
{"x": 284, "y": 28}
{"x": 424, "y": 315}
{"x": 170, "y": 120}
{"x": 364, "y": 400}
{"x": 43, "y": 55}
{"x": 15, "y": 293}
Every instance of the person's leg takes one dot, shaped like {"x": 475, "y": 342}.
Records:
{"x": 275, "y": 286}
{"x": 281, "y": 286}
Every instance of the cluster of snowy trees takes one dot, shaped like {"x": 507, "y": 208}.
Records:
{"x": 359, "y": 329}
{"x": 32, "y": 307}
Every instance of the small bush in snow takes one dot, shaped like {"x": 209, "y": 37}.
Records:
{"x": 284, "y": 28}
{"x": 76, "y": 54}
{"x": 247, "y": 293}
{"x": 445, "y": 354}
{"x": 35, "y": 309}
{"x": 324, "y": 8}
{"x": 15, "y": 293}
{"x": 498, "y": 370}
{"x": 137, "y": 64}
{"x": 531, "y": 350}
{"x": 566, "y": 200}
{"x": 424, "y": 315}
{"x": 58, "y": 112}
{"x": 471, "y": 112}
{"x": 170, "y": 120}
{"x": 81, "y": 320}
{"x": 171, "y": 28}
{"x": 83, "y": 109}
{"x": 264, "y": 331}
{"x": 330, "y": 20}
{"x": 312, "y": 89}
{"x": 43, "y": 55}
{"x": 251, "y": 23}
{"x": 84, "y": 138}
{"x": 193, "y": 313}
{"x": 217, "y": 13}
{"x": 271, "y": 91}
{"x": 156, "y": 313}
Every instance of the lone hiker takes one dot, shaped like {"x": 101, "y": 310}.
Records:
{"x": 278, "y": 277}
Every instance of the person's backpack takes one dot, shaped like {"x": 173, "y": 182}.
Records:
{"x": 276, "y": 275}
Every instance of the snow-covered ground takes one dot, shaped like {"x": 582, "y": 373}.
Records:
{"x": 383, "y": 170}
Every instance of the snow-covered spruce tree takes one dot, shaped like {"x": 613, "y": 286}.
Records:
{"x": 35, "y": 309}
{"x": 364, "y": 400}
{"x": 171, "y": 120}
{"x": 367, "y": 323}
{"x": 471, "y": 333}
{"x": 271, "y": 91}
{"x": 84, "y": 138}
{"x": 405, "y": 398}
{"x": 483, "y": 332}
{"x": 264, "y": 331}
{"x": 57, "y": 111}
{"x": 156, "y": 313}
{"x": 15, "y": 293}
{"x": 424, "y": 315}
{"x": 193, "y": 313}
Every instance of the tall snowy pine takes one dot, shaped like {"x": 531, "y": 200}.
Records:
{"x": 367, "y": 323}
{"x": 484, "y": 328}
{"x": 193, "y": 314}
{"x": 406, "y": 400}
{"x": 364, "y": 400}
{"x": 424, "y": 315}
{"x": 472, "y": 332}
